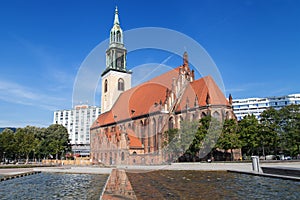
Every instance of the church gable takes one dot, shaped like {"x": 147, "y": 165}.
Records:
{"x": 202, "y": 92}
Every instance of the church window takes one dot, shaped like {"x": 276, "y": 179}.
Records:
{"x": 121, "y": 84}
{"x": 154, "y": 135}
{"x": 171, "y": 123}
{"x": 122, "y": 156}
{"x": 118, "y": 36}
{"x": 105, "y": 86}
{"x": 216, "y": 115}
{"x": 119, "y": 62}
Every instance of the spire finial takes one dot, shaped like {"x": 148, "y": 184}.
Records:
{"x": 116, "y": 21}
{"x": 185, "y": 58}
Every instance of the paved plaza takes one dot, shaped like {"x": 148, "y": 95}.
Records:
{"x": 217, "y": 166}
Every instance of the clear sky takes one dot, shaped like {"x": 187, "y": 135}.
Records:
{"x": 254, "y": 43}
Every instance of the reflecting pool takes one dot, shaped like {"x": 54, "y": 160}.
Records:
{"x": 210, "y": 185}
{"x": 161, "y": 184}
{"x": 54, "y": 186}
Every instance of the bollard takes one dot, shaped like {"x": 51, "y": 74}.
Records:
{"x": 255, "y": 163}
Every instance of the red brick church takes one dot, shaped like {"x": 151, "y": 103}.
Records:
{"x": 131, "y": 128}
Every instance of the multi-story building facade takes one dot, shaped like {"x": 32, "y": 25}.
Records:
{"x": 256, "y": 106}
{"x": 78, "y": 122}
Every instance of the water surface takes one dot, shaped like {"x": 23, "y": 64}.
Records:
{"x": 210, "y": 185}
{"x": 54, "y": 186}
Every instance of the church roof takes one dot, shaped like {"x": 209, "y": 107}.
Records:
{"x": 134, "y": 142}
{"x": 197, "y": 91}
{"x": 147, "y": 98}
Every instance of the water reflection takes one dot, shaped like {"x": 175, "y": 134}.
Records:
{"x": 183, "y": 184}
{"x": 53, "y": 186}
{"x": 118, "y": 186}
{"x": 160, "y": 184}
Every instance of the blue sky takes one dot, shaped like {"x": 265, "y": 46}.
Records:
{"x": 255, "y": 44}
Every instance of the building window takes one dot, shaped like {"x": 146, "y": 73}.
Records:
{"x": 216, "y": 115}
{"x": 121, "y": 84}
{"x": 113, "y": 129}
{"x": 122, "y": 156}
{"x": 118, "y": 36}
{"x": 171, "y": 123}
{"x": 105, "y": 85}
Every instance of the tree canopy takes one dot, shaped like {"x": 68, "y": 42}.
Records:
{"x": 276, "y": 132}
{"x": 34, "y": 143}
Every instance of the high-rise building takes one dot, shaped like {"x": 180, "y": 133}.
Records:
{"x": 78, "y": 122}
{"x": 255, "y": 106}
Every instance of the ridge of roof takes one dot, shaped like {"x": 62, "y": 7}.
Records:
{"x": 141, "y": 100}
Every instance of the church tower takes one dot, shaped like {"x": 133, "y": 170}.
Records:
{"x": 115, "y": 78}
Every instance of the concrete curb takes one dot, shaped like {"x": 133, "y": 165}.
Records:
{"x": 266, "y": 175}
{"x": 9, "y": 177}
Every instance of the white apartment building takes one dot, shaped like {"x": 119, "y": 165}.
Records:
{"x": 78, "y": 122}
{"x": 256, "y": 106}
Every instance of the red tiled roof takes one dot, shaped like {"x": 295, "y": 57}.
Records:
{"x": 139, "y": 100}
{"x": 146, "y": 97}
{"x": 202, "y": 87}
{"x": 134, "y": 142}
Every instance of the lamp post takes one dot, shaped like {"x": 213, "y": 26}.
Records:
{"x": 4, "y": 157}
{"x": 62, "y": 153}
{"x": 33, "y": 155}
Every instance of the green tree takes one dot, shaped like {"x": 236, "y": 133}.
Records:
{"x": 290, "y": 126}
{"x": 187, "y": 134}
{"x": 57, "y": 140}
{"x": 25, "y": 141}
{"x": 171, "y": 145}
{"x": 41, "y": 143}
{"x": 7, "y": 145}
{"x": 229, "y": 138}
{"x": 248, "y": 129}
{"x": 179, "y": 140}
{"x": 206, "y": 137}
{"x": 213, "y": 132}
{"x": 269, "y": 131}
{"x": 200, "y": 134}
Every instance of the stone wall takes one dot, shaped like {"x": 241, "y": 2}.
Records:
{"x": 67, "y": 162}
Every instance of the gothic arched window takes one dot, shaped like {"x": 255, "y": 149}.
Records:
{"x": 121, "y": 84}
{"x": 216, "y": 115}
{"x": 118, "y": 36}
{"x": 105, "y": 85}
{"x": 171, "y": 123}
{"x": 154, "y": 135}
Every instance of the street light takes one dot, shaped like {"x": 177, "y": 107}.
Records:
{"x": 4, "y": 157}
{"x": 33, "y": 155}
